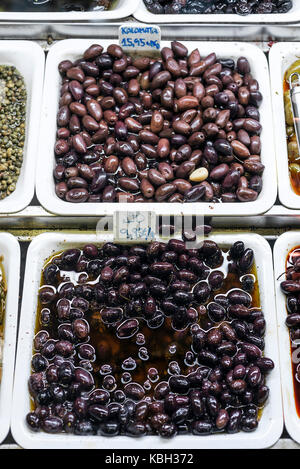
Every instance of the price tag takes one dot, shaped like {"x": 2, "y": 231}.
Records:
{"x": 134, "y": 226}
{"x": 139, "y": 37}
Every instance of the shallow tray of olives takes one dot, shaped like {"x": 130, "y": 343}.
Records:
{"x": 286, "y": 12}
{"x": 206, "y": 7}
{"x": 67, "y": 11}
{"x": 130, "y": 352}
{"x": 88, "y": 199}
{"x": 23, "y": 71}
{"x": 286, "y": 261}
{"x": 282, "y": 56}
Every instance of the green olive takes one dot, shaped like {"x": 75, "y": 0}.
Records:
{"x": 290, "y": 131}
{"x": 293, "y": 151}
{"x": 288, "y": 114}
{"x": 286, "y": 97}
{"x": 295, "y": 169}
{"x": 13, "y": 98}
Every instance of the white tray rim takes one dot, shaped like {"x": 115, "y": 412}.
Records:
{"x": 10, "y": 250}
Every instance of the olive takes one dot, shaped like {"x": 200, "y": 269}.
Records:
{"x": 179, "y": 384}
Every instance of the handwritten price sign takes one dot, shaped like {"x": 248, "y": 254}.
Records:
{"x": 137, "y": 37}
{"x": 134, "y": 226}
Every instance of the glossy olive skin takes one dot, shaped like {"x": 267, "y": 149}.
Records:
{"x": 93, "y": 371}
{"x": 240, "y": 8}
{"x": 180, "y": 128}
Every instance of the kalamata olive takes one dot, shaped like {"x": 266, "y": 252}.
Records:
{"x": 39, "y": 363}
{"x": 216, "y": 279}
{"x": 50, "y": 273}
{"x": 246, "y": 261}
{"x": 47, "y": 295}
{"x": 292, "y": 304}
{"x": 33, "y": 421}
{"x": 235, "y": 418}
{"x": 205, "y": 357}
{"x": 202, "y": 427}
{"x": 64, "y": 348}
{"x": 111, "y": 315}
{"x": 239, "y": 311}
{"x": 134, "y": 391}
{"x": 65, "y": 373}
{"x": 98, "y": 412}
{"x": 228, "y": 332}
{"x": 262, "y": 395}
{"x": 36, "y": 382}
{"x": 202, "y": 292}
{"x": 214, "y": 338}
{"x": 52, "y": 425}
{"x": 84, "y": 378}
{"x": 199, "y": 340}
{"x": 216, "y": 312}
{"x": 293, "y": 320}
{"x": 128, "y": 328}
{"x": 265, "y": 364}
{"x": 109, "y": 428}
{"x": 81, "y": 328}
{"x": 251, "y": 350}
{"x": 84, "y": 428}
{"x": 158, "y": 290}
{"x": 227, "y": 348}
{"x": 290, "y": 286}
{"x": 254, "y": 376}
{"x": 237, "y": 250}
{"x": 179, "y": 384}
{"x": 222, "y": 419}
{"x": 239, "y": 297}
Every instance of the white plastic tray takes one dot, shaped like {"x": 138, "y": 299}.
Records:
{"x": 121, "y": 9}
{"x": 281, "y": 56}
{"x": 74, "y": 48}
{"x": 143, "y": 14}
{"x": 10, "y": 250}
{"x": 283, "y": 246}
{"x": 29, "y": 58}
{"x": 271, "y": 424}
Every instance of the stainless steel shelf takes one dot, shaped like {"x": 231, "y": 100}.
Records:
{"x": 48, "y": 32}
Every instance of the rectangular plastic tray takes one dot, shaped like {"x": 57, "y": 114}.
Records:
{"x": 281, "y": 56}
{"x": 10, "y": 251}
{"x": 271, "y": 424}
{"x": 144, "y": 15}
{"x": 73, "y": 49}
{"x": 121, "y": 9}
{"x": 29, "y": 59}
{"x": 283, "y": 246}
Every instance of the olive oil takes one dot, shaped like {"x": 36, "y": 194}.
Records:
{"x": 292, "y": 146}
{"x": 157, "y": 347}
